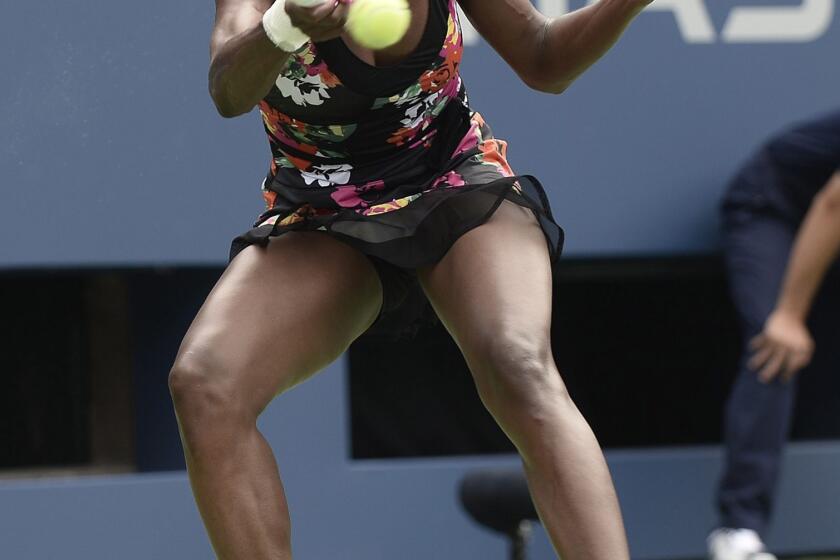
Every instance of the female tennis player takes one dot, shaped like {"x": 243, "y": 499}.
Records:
{"x": 382, "y": 179}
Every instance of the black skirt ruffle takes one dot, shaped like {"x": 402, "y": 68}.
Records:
{"x": 418, "y": 235}
{"x": 421, "y": 233}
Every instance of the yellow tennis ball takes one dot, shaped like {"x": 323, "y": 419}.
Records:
{"x": 378, "y": 24}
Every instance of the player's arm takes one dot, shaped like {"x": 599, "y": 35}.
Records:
{"x": 550, "y": 53}
{"x": 785, "y": 346}
{"x": 244, "y": 62}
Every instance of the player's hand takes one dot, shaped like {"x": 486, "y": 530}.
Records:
{"x": 782, "y": 349}
{"x": 322, "y": 22}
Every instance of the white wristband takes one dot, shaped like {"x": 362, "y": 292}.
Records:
{"x": 279, "y": 29}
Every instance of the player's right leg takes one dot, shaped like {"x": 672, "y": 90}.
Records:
{"x": 277, "y": 316}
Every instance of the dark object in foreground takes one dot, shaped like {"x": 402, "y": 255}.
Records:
{"x": 499, "y": 500}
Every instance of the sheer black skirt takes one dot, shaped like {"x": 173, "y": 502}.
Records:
{"x": 400, "y": 241}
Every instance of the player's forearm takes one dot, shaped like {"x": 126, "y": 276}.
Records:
{"x": 817, "y": 246}
{"x": 574, "y": 42}
{"x": 243, "y": 70}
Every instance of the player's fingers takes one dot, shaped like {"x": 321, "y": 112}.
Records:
{"x": 322, "y": 22}
{"x": 331, "y": 26}
{"x": 322, "y": 12}
{"x": 757, "y": 342}
{"x": 773, "y": 367}
{"x": 799, "y": 359}
{"x": 760, "y": 357}
{"x": 334, "y": 20}
{"x": 792, "y": 364}
{"x": 808, "y": 356}
{"x": 306, "y": 17}
{"x": 339, "y": 15}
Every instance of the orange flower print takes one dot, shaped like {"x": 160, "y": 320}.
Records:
{"x": 402, "y": 136}
{"x": 390, "y": 206}
{"x": 270, "y": 198}
{"x": 327, "y": 77}
{"x": 300, "y": 163}
{"x": 434, "y": 80}
{"x": 493, "y": 152}
{"x": 479, "y": 120}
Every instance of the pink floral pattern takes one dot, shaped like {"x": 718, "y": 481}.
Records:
{"x": 342, "y": 163}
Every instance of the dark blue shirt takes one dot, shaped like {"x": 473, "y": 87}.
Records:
{"x": 787, "y": 172}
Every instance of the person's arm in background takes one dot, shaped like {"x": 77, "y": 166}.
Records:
{"x": 244, "y": 63}
{"x": 785, "y": 346}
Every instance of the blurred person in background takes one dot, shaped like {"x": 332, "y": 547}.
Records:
{"x": 781, "y": 238}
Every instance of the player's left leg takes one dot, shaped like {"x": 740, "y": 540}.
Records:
{"x": 493, "y": 293}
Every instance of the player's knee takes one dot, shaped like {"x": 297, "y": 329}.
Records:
{"x": 518, "y": 372}
{"x": 201, "y": 394}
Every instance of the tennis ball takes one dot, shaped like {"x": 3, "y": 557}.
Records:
{"x": 378, "y": 24}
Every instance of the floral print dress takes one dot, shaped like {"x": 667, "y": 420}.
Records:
{"x": 373, "y": 155}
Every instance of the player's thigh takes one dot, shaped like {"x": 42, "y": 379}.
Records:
{"x": 280, "y": 314}
{"x": 492, "y": 290}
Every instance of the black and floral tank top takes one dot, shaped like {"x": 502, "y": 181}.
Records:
{"x": 346, "y": 135}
